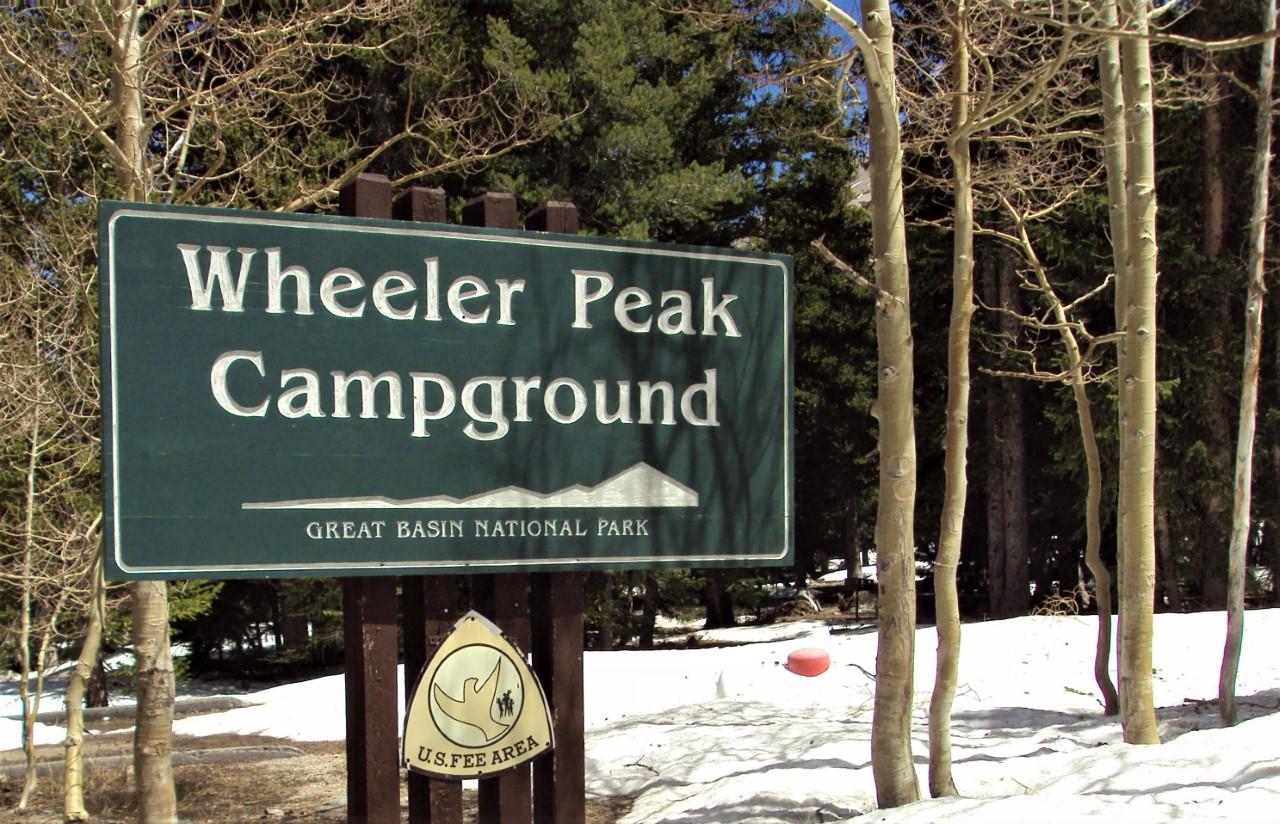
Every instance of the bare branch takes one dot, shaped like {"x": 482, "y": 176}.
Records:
{"x": 1098, "y": 30}
{"x": 882, "y": 297}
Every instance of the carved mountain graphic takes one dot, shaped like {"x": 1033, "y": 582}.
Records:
{"x": 637, "y": 486}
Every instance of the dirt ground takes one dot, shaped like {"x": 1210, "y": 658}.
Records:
{"x": 306, "y": 787}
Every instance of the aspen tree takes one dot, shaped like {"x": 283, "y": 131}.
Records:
{"x": 153, "y": 665}
{"x": 1077, "y": 364}
{"x": 1027, "y": 70}
{"x": 1138, "y": 385}
{"x": 1249, "y": 381}
{"x": 951, "y": 529}
{"x": 891, "y": 760}
{"x": 45, "y": 547}
{"x": 73, "y": 808}
{"x": 1116, "y": 164}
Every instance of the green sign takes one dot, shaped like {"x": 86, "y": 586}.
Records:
{"x": 291, "y": 395}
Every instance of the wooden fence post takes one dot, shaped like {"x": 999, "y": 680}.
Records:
{"x": 369, "y": 633}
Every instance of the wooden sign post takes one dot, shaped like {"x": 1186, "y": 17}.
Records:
{"x": 430, "y": 607}
{"x": 430, "y": 604}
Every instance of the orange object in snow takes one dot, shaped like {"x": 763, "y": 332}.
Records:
{"x": 809, "y": 661}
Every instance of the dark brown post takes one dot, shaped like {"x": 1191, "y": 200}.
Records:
{"x": 429, "y": 603}
{"x": 373, "y": 751}
{"x": 431, "y": 608}
{"x": 560, "y": 779}
{"x": 554, "y": 216}
{"x": 504, "y": 599}
{"x": 369, "y": 633}
{"x": 413, "y": 594}
{"x": 496, "y": 210}
{"x": 421, "y": 204}
{"x": 367, "y": 196}
{"x": 506, "y": 799}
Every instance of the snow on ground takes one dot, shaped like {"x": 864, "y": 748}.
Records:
{"x": 11, "y": 731}
{"x": 51, "y": 700}
{"x": 728, "y": 735}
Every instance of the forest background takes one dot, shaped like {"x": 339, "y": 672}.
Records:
{"x": 711, "y": 123}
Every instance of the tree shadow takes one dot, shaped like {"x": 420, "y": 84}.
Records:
{"x": 802, "y": 811}
{"x": 1202, "y": 714}
{"x": 1255, "y": 773}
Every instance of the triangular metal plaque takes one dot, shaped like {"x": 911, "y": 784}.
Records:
{"x": 477, "y": 709}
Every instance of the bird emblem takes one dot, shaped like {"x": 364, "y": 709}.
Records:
{"x": 475, "y": 708}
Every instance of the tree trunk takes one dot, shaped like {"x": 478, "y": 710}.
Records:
{"x": 48, "y": 631}
{"x": 1168, "y": 559}
{"x": 717, "y": 600}
{"x": 1093, "y": 542}
{"x": 1217, "y": 405}
{"x": 98, "y": 693}
{"x": 649, "y": 611}
{"x": 126, "y": 91}
{"x": 891, "y": 761}
{"x": 1113, "y": 143}
{"x": 73, "y": 808}
{"x": 1214, "y": 222}
{"x": 153, "y": 682}
{"x": 293, "y": 631}
{"x": 604, "y": 638}
{"x": 854, "y": 560}
{"x": 1008, "y": 571}
{"x": 1138, "y": 388}
{"x": 804, "y": 564}
{"x": 1273, "y": 540}
{"x": 1093, "y": 499}
{"x": 1274, "y": 526}
{"x": 951, "y": 529}
{"x": 995, "y": 412}
{"x": 30, "y": 703}
{"x": 1236, "y": 555}
{"x": 152, "y": 740}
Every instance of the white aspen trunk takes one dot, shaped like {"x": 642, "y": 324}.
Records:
{"x": 1138, "y": 389}
{"x": 153, "y": 682}
{"x": 153, "y": 735}
{"x": 73, "y": 808}
{"x": 126, "y": 93}
{"x": 1093, "y": 499}
{"x": 891, "y": 761}
{"x": 1093, "y": 537}
{"x": 951, "y": 529}
{"x": 30, "y": 704}
{"x": 1113, "y": 141}
{"x": 1236, "y": 556}
{"x": 892, "y": 765}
